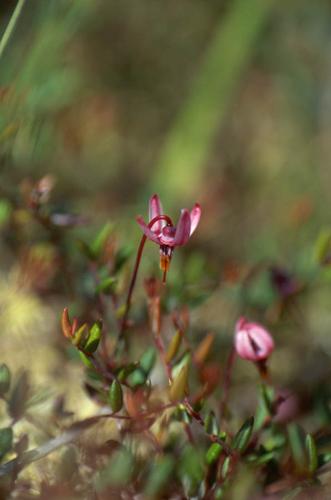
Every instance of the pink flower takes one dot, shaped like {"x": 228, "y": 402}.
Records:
{"x": 162, "y": 231}
{"x": 252, "y": 341}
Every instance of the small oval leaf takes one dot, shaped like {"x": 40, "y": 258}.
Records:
{"x": 178, "y": 388}
{"x": 19, "y": 396}
{"x": 147, "y": 360}
{"x": 136, "y": 378}
{"x": 87, "y": 362}
{"x": 159, "y": 476}
{"x": 94, "y": 337}
{"x": 107, "y": 285}
{"x": 203, "y": 349}
{"x": 241, "y": 439}
{"x": 312, "y": 453}
{"x": 211, "y": 424}
{"x": 6, "y": 440}
{"x": 115, "y": 396}
{"x": 297, "y": 444}
{"x": 213, "y": 453}
{"x": 174, "y": 346}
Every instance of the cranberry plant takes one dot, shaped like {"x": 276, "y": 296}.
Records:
{"x": 164, "y": 424}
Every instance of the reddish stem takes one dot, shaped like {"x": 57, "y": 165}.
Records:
{"x": 227, "y": 381}
{"x": 135, "y": 270}
{"x": 213, "y": 437}
{"x": 263, "y": 371}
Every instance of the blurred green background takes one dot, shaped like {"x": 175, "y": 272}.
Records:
{"x": 222, "y": 102}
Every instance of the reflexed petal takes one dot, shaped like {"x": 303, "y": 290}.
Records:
{"x": 155, "y": 209}
{"x": 183, "y": 228}
{"x": 195, "y": 217}
{"x": 147, "y": 231}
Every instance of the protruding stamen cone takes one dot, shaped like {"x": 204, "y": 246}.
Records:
{"x": 164, "y": 265}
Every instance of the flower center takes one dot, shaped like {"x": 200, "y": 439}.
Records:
{"x": 168, "y": 233}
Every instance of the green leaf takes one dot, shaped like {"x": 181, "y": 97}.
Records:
{"x": 297, "y": 445}
{"x": 219, "y": 493}
{"x": 80, "y": 337}
{"x": 19, "y": 396}
{"x": 5, "y": 211}
{"x": 262, "y": 459}
{"x": 322, "y": 249}
{"x": 87, "y": 362}
{"x": 118, "y": 472}
{"x": 174, "y": 346}
{"x": 5, "y": 378}
{"x": 159, "y": 476}
{"x": 213, "y": 453}
{"x": 184, "y": 360}
{"x": 267, "y": 396}
{"x": 106, "y": 285}
{"x": 202, "y": 351}
{"x": 136, "y": 378}
{"x": 93, "y": 339}
{"x": 178, "y": 387}
{"x": 93, "y": 250}
{"x": 85, "y": 249}
{"x": 211, "y": 424}
{"x": 226, "y": 467}
{"x": 115, "y": 396}
{"x": 312, "y": 453}
{"x": 241, "y": 439}
{"x": 191, "y": 470}
{"x": 99, "y": 241}
{"x": 121, "y": 258}
{"x": 6, "y": 441}
{"x": 147, "y": 360}
{"x": 324, "y": 458}
{"x": 123, "y": 372}
{"x": 264, "y": 408}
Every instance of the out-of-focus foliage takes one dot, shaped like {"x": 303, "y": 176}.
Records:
{"x": 103, "y": 103}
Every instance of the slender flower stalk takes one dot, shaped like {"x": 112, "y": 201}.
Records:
{"x": 161, "y": 230}
{"x": 135, "y": 270}
{"x": 252, "y": 342}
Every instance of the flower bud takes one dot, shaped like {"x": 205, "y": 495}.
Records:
{"x": 178, "y": 388}
{"x": 66, "y": 324}
{"x": 252, "y": 341}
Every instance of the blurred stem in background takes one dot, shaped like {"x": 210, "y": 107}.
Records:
{"x": 11, "y": 26}
{"x": 186, "y": 149}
